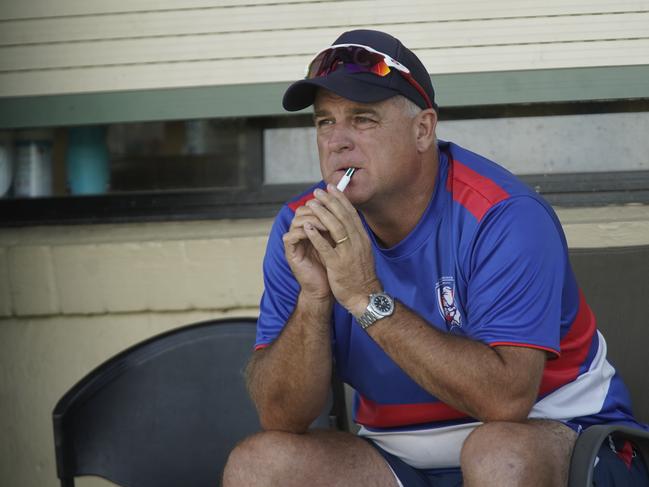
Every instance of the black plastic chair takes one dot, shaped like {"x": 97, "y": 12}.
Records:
{"x": 589, "y": 443}
{"x": 163, "y": 413}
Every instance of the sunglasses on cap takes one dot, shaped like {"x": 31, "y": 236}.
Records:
{"x": 357, "y": 58}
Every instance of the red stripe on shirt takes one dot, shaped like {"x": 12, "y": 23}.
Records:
{"x": 301, "y": 202}
{"x": 477, "y": 193}
{"x": 377, "y": 415}
{"x": 574, "y": 349}
{"x": 525, "y": 345}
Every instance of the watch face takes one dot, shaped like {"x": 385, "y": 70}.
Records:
{"x": 382, "y": 304}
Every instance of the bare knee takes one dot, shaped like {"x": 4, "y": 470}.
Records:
{"x": 532, "y": 453}
{"x": 259, "y": 459}
{"x": 489, "y": 448}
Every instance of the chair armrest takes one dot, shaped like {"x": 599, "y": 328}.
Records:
{"x": 588, "y": 444}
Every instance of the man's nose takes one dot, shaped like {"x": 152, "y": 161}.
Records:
{"x": 340, "y": 139}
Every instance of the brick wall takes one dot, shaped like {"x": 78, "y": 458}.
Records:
{"x": 72, "y": 297}
{"x": 132, "y": 268}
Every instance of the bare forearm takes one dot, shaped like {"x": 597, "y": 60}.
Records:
{"x": 290, "y": 380}
{"x": 467, "y": 375}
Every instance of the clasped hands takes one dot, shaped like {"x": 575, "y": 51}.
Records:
{"x": 329, "y": 251}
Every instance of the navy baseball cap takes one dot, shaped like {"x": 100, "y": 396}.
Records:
{"x": 344, "y": 79}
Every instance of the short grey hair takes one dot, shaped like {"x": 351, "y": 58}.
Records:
{"x": 409, "y": 107}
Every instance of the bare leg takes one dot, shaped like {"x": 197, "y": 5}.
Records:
{"x": 317, "y": 458}
{"x": 535, "y": 453}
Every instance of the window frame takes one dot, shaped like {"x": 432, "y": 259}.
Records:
{"x": 254, "y": 199}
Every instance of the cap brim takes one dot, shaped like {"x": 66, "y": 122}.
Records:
{"x": 355, "y": 87}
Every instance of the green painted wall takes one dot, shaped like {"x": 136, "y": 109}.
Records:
{"x": 453, "y": 90}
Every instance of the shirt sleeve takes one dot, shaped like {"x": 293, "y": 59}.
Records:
{"x": 280, "y": 287}
{"x": 517, "y": 266}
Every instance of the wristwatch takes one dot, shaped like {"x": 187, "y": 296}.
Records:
{"x": 381, "y": 306}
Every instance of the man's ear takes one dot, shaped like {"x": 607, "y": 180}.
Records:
{"x": 426, "y": 121}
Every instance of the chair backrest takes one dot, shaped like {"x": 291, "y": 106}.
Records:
{"x": 615, "y": 282}
{"x": 165, "y": 412}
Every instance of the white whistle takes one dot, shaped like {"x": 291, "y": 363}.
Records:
{"x": 344, "y": 181}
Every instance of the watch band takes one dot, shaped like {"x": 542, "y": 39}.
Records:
{"x": 368, "y": 318}
{"x": 381, "y": 306}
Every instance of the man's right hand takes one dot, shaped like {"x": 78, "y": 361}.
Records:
{"x": 289, "y": 381}
{"x": 303, "y": 258}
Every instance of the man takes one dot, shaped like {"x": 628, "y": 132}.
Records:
{"x": 437, "y": 285}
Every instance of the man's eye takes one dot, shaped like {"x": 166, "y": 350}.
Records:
{"x": 364, "y": 120}
{"x": 323, "y": 122}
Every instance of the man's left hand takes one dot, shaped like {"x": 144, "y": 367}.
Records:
{"x": 349, "y": 261}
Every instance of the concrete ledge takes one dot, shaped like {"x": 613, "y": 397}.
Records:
{"x": 609, "y": 226}
{"x": 216, "y": 265}
{"x": 131, "y": 268}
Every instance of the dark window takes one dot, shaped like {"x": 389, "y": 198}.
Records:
{"x": 238, "y": 167}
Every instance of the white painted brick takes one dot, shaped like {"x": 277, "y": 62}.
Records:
{"x": 119, "y": 277}
{"x": 217, "y": 272}
{"x": 160, "y": 276}
{"x": 161, "y": 266}
{"x": 31, "y": 277}
{"x": 77, "y": 273}
{"x": 226, "y": 273}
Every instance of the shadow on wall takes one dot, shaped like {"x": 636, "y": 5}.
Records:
{"x": 615, "y": 283}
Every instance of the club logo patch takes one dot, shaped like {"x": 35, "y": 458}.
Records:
{"x": 445, "y": 294}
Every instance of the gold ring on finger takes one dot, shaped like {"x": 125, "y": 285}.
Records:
{"x": 341, "y": 240}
